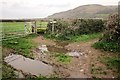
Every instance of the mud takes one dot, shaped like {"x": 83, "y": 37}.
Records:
{"x": 27, "y": 65}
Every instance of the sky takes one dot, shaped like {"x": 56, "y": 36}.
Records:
{"x": 19, "y": 9}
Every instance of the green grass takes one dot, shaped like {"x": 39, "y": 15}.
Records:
{"x": 19, "y": 26}
{"x": 14, "y": 29}
{"x": 84, "y": 38}
{"x": 21, "y": 45}
{"x": 111, "y": 62}
{"x": 80, "y": 38}
{"x": 107, "y": 46}
{"x": 12, "y": 26}
{"x": 42, "y": 24}
{"x": 62, "y": 58}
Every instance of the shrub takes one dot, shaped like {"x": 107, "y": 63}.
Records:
{"x": 64, "y": 30}
{"x": 112, "y": 32}
{"x": 87, "y": 26}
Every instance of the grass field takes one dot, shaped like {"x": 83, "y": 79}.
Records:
{"x": 12, "y": 26}
{"x": 13, "y": 29}
{"x": 42, "y": 24}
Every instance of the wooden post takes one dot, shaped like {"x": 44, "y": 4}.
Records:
{"x": 35, "y": 27}
{"x": 53, "y": 26}
{"x": 25, "y": 25}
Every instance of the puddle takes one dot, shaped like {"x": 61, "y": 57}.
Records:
{"x": 56, "y": 49}
{"x": 34, "y": 67}
{"x": 60, "y": 43}
{"x": 59, "y": 47}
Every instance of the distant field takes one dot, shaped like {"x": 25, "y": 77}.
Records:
{"x": 17, "y": 28}
{"x": 13, "y": 26}
{"x": 13, "y": 29}
{"x": 42, "y": 24}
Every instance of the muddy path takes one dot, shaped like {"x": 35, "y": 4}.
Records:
{"x": 80, "y": 66}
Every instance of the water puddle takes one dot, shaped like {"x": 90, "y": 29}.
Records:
{"x": 56, "y": 49}
{"x": 34, "y": 67}
{"x": 59, "y": 48}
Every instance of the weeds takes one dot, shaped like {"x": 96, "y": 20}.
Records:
{"x": 85, "y": 37}
{"x": 73, "y": 38}
{"x": 7, "y": 72}
{"x": 62, "y": 58}
{"x": 107, "y": 46}
{"x": 111, "y": 62}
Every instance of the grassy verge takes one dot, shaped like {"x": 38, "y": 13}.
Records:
{"x": 112, "y": 62}
{"x": 72, "y": 38}
{"x": 21, "y": 45}
{"x": 107, "y": 46}
{"x": 85, "y": 38}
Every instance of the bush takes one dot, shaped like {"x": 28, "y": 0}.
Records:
{"x": 112, "y": 32}
{"x": 111, "y": 38}
{"x": 87, "y": 26}
{"x": 107, "y": 46}
{"x": 64, "y": 30}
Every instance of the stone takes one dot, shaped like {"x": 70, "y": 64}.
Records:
{"x": 73, "y": 54}
{"x": 43, "y": 48}
{"x": 81, "y": 70}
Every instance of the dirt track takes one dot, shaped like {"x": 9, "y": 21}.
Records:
{"x": 79, "y": 67}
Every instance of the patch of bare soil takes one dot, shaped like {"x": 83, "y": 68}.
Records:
{"x": 41, "y": 40}
{"x": 6, "y": 52}
{"x": 92, "y": 65}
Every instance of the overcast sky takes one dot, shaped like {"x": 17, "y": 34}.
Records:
{"x": 18, "y": 9}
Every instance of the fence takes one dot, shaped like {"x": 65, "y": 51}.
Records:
{"x": 12, "y": 30}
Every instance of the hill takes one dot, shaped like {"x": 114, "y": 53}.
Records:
{"x": 86, "y": 11}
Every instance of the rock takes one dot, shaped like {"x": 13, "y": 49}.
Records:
{"x": 89, "y": 51}
{"x": 81, "y": 70}
{"x": 73, "y": 54}
{"x": 81, "y": 54}
{"x": 43, "y": 48}
{"x": 85, "y": 56}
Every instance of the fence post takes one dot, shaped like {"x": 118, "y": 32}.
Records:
{"x": 35, "y": 27}
{"x": 25, "y": 25}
